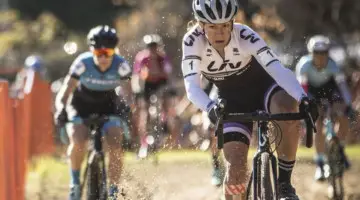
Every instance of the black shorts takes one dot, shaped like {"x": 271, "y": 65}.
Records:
{"x": 86, "y": 102}
{"x": 249, "y": 92}
{"x": 328, "y": 91}
{"x": 151, "y": 88}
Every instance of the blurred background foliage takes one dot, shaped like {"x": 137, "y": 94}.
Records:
{"x": 57, "y": 30}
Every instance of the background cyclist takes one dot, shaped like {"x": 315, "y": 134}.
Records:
{"x": 89, "y": 88}
{"x": 152, "y": 71}
{"x": 322, "y": 78}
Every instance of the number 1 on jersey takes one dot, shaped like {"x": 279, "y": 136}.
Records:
{"x": 191, "y": 64}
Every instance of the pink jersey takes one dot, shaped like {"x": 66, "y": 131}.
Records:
{"x": 156, "y": 68}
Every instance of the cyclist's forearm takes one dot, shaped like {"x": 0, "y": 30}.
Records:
{"x": 286, "y": 79}
{"x": 62, "y": 98}
{"x": 345, "y": 93}
{"x": 127, "y": 93}
{"x": 66, "y": 90}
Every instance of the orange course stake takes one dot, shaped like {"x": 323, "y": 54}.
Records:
{"x": 22, "y": 134}
{"x": 3, "y": 186}
{"x": 7, "y": 158}
{"x": 42, "y": 128}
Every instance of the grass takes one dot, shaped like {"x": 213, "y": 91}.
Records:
{"x": 46, "y": 165}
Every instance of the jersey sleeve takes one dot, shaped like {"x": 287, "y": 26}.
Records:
{"x": 284, "y": 77}
{"x": 191, "y": 61}
{"x": 167, "y": 65}
{"x": 77, "y": 68}
{"x": 301, "y": 70}
{"x": 138, "y": 62}
{"x": 340, "y": 80}
{"x": 124, "y": 71}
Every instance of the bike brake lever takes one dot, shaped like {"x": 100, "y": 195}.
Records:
{"x": 312, "y": 122}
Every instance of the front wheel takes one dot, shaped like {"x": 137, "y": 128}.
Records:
{"x": 266, "y": 189}
{"x": 336, "y": 169}
{"x": 96, "y": 190}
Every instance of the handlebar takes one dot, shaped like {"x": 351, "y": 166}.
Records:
{"x": 261, "y": 116}
{"x": 95, "y": 120}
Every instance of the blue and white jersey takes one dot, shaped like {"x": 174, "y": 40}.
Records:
{"x": 305, "y": 69}
{"x": 85, "y": 70}
{"x": 308, "y": 74}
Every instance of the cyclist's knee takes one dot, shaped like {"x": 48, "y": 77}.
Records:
{"x": 78, "y": 134}
{"x": 235, "y": 154}
{"x": 282, "y": 102}
{"x": 114, "y": 137}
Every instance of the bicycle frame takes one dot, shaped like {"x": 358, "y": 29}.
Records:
{"x": 95, "y": 153}
{"x": 263, "y": 146}
{"x": 336, "y": 166}
{"x": 263, "y": 119}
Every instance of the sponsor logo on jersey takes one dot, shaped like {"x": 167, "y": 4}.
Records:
{"x": 102, "y": 82}
{"x": 190, "y": 40}
{"x": 212, "y": 68}
{"x": 248, "y": 36}
{"x": 236, "y": 51}
{"x": 208, "y": 52}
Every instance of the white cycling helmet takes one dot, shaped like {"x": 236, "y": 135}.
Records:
{"x": 152, "y": 38}
{"x": 318, "y": 43}
{"x": 215, "y": 11}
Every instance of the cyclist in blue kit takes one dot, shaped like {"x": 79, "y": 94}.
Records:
{"x": 322, "y": 78}
{"x": 89, "y": 88}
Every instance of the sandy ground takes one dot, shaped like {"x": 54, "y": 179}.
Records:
{"x": 191, "y": 181}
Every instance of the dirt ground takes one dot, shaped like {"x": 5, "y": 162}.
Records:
{"x": 191, "y": 181}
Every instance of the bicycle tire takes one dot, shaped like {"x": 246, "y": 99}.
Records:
{"x": 265, "y": 191}
{"x": 336, "y": 165}
{"x": 95, "y": 189}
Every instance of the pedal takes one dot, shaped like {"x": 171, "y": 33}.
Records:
{"x": 143, "y": 152}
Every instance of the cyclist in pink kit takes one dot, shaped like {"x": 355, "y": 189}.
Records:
{"x": 151, "y": 72}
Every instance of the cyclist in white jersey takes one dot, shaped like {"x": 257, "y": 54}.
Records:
{"x": 322, "y": 78}
{"x": 249, "y": 77}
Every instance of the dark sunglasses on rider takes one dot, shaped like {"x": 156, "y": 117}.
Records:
{"x": 321, "y": 52}
{"x": 103, "y": 52}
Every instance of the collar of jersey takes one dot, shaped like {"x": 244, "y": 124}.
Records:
{"x": 227, "y": 46}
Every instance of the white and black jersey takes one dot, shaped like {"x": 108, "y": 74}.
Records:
{"x": 246, "y": 78}
{"x": 245, "y": 52}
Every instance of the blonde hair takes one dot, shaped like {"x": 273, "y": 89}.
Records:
{"x": 192, "y": 23}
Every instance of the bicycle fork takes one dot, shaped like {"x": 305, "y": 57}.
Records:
{"x": 335, "y": 158}
{"x": 96, "y": 157}
{"x": 263, "y": 147}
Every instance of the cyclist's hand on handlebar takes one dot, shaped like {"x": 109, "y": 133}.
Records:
{"x": 61, "y": 117}
{"x": 350, "y": 113}
{"x": 308, "y": 105}
{"x": 215, "y": 112}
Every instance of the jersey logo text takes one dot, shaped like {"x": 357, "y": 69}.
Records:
{"x": 194, "y": 34}
{"x": 251, "y": 36}
{"x": 211, "y": 67}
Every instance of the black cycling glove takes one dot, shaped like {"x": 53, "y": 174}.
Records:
{"x": 309, "y": 105}
{"x": 213, "y": 114}
{"x": 61, "y": 117}
{"x": 350, "y": 113}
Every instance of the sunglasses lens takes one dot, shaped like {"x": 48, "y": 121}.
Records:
{"x": 105, "y": 52}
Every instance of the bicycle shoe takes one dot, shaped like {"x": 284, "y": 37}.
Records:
{"x": 113, "y": 192}
{"x": 319, "y": 174}
{"x": 216, "y": 178}
{"x": 75, "y": 192}
{"x": 345, "y": 159}
{"x": 287, "y": 192}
